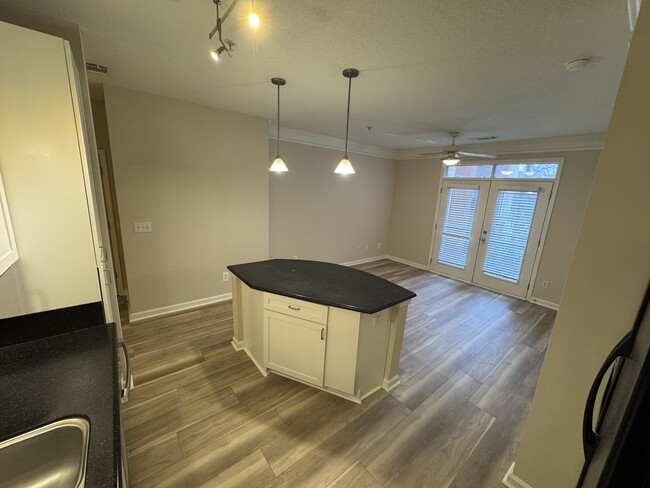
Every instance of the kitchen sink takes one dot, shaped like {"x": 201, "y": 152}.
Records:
{"x": 50, "y": 456}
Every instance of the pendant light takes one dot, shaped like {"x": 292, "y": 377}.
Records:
{"x": 278, "y": 165}
{"x": 345, "y": 167}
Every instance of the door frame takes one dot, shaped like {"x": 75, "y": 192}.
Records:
{"x": 547, "y": 219}
{"x": 113, "y": 224}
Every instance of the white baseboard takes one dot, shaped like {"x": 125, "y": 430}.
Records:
{"x": 408, "y": 263}
{"x": 544, "y": 303}
{"x": 237, "y": 345}
{"x": 511, "y": 480}
{"x": 390, "y": 384}
{"x": 364, "y": 260}
{"x": 136, "y": 317}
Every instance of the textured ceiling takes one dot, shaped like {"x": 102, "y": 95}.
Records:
{"x": 484, "y": 67}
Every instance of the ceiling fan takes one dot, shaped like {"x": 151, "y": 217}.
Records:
{"x": 452, "y": 155}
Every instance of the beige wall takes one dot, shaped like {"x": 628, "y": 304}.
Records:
{"x": 200, "y": 176}
{"x": 566, "y": 220}
{"x": 606, "y": 281}
{"x": 317, "y": 214}
{"x": 414, "y": 210}
{"x": 42, "y": 172}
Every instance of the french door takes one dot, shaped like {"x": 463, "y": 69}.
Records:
{"x": 488, "y": 232}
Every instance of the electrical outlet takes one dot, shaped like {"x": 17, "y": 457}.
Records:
{"x": 142, "y": 227}
{"x": 226, "y": 276}
{"x": 379, "y": 245}
{"x": 544, "y": 284}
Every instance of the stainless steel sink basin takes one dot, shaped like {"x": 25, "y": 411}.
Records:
{"x": 51, "y": 456}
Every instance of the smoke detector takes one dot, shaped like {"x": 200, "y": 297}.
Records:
{"x": 577, "y": 64}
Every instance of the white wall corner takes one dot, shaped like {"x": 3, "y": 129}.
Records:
{"x": 136, "y": 317}
{"x": 511, "y": 480}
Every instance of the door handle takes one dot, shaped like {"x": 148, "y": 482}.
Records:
{"x": 482, "y": 239}
{"x": 125, "y": 387}
{"x": 322, "y": 334}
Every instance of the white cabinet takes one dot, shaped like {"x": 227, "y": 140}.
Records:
{"x": 295, "y": 347}
{"x": 8, "y": 251}
{"x": 295, "y": 338}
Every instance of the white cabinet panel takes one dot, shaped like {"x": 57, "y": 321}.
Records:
{"x": 8, "y": 251}
{"x": 295, "y": 347}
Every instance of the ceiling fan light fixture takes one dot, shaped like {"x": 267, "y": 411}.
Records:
{"x": 451, "y": 160}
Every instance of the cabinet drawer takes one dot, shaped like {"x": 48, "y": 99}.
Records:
{"x": 296, "y": 308}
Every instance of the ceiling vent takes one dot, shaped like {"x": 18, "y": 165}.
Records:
{"x": 99, "y": 69}
{"x": 484, "y": 138}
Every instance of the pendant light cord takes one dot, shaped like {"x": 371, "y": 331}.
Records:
{"x": 347, "y": 124}
{"x": 278, "y": 141}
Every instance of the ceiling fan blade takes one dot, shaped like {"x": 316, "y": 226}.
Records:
{"x": 476, "y": 155}
{"x": 433, "y": 154}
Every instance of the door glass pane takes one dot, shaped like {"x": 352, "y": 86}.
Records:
{"x": 457, "y": 226}
{"x": 469, "y": 171}
{"x": 527, "y": 170}
{"x": 513, "y": 216}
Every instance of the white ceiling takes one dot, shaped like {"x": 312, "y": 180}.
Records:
{"x": 483, "y": 67}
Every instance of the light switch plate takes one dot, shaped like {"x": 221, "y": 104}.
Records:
{"x": 142, "y": 227}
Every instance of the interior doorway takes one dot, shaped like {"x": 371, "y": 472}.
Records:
{"x": 113, "y": 226}
{"x": 489, "y": 230}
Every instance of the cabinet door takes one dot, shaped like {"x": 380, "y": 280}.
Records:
{"x": 295, "y": 347}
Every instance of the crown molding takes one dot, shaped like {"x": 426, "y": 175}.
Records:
{"x": 312, "y": 139}
{"x": 523, "y": 146}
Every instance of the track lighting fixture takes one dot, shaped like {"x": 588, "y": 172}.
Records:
{"x": 278, "y": 165}
{"x": 253, "y": 18}
{"x": 216, "y": 53}
{"x": 226, "y": 44}
{"x": 345, "y": 167}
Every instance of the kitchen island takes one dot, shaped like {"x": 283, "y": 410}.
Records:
{"x": 330, "y": 326}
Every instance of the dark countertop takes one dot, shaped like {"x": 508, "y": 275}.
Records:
{"x": 67, "y": 375}
{"x": 324, "y": 283}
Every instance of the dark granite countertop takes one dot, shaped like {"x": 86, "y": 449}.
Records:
{"x": 324, "y": 283}
{"x": 67, "y": 375}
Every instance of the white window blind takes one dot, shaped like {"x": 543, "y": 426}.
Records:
{"x": 457, "y": 226}
{"x": 508, "y": 236}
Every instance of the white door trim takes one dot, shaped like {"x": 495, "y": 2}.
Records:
{"x": 549, "y": 210}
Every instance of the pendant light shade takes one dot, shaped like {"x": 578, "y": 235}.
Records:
{"x": 345, "y": 167}
{"x": 278, "y": 165}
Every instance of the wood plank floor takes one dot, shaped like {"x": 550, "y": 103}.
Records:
{"x": 201, "y": 415}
